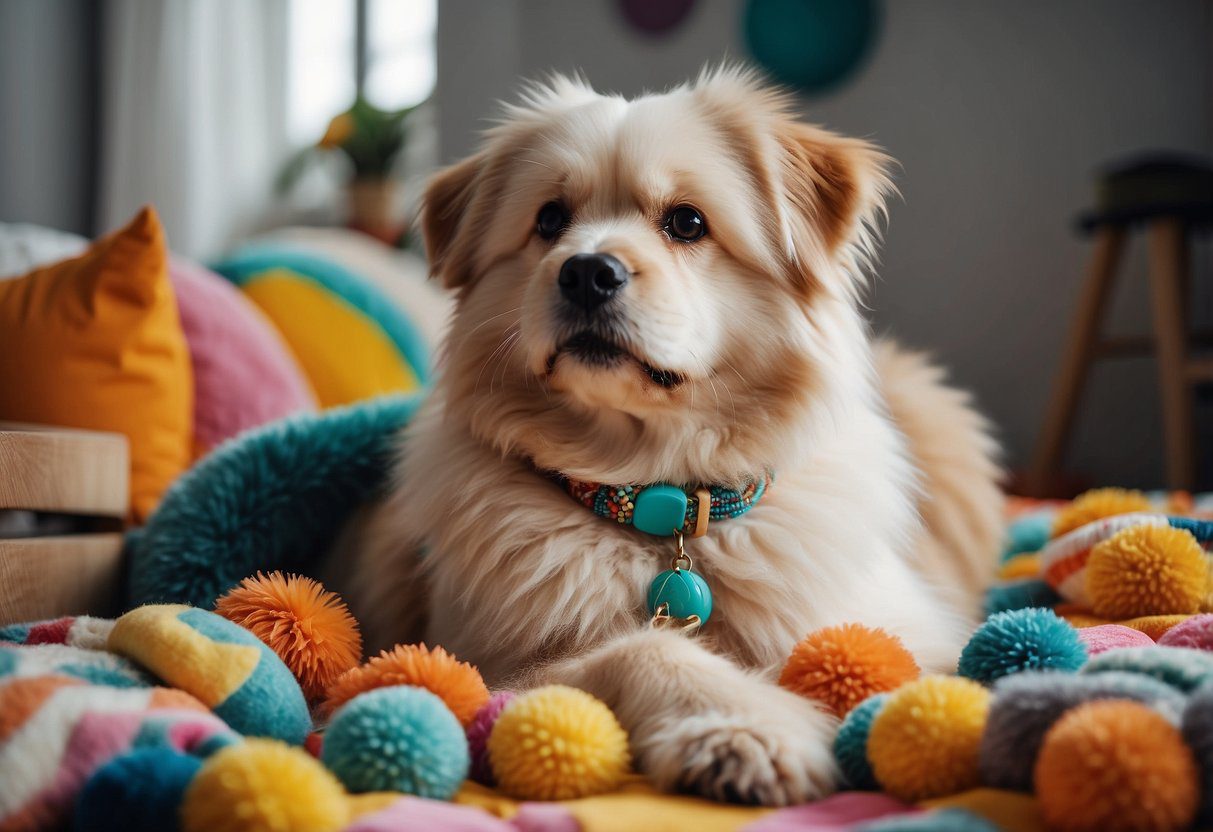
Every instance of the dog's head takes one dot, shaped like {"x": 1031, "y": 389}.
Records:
{"x": 656, "y": 289}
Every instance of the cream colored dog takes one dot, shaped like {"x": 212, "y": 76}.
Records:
{"x": 667, "y": 290}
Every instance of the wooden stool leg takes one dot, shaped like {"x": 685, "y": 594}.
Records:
{"x": 1076, "y": 360}
{"x": 1167, "y": 282}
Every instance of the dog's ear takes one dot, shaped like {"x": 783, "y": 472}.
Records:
{"x": 446, "y": 202}
{"x": 835, "y": 189}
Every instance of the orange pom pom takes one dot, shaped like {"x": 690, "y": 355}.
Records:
{"x": 309, "y": 628}
{"x": 1116, "y": 765}
{"x": 1096, "y": 505}
{"x": 456, "y": 683}
{"x": 842, "y": 666}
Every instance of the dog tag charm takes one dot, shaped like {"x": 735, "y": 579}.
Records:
{"x": 678, "y": 594}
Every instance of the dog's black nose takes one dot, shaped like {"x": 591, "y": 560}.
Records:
{"x": 589, "y": 280}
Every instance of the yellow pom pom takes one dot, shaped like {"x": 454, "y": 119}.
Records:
{"x": 1116, "y": 765}
{"x": 924, "y": 742}
{"x": 1147, "y": 570}
{"x": 1097, "y": 504}
{"x": 1020, "y": 566}
{"x": 264, "y": 786}
{"x": 557, "y": 743}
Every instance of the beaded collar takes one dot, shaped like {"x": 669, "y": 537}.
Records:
{"x": 663, "y": 509}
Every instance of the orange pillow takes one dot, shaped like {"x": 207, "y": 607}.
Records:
{"x": 95, "y": 342}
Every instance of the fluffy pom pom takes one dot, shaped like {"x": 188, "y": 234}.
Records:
{"x": 456, "y": 683}
{"x": 1104, "y": 637}
{"x": 1179, "y": 667}
{"x": 1026, "y": 705}
{"x": 841, "y": 666}
{"x": 139, "y": 791}
{"x": 1147, "y": 570}
{"x": 263, "y": 784}
{"x": 400, "y": 739}
{"x": 1020, "y": 594}
{"x": 924, "y": 742}
{"x": 1110, "y": 766}
{"x": 1031, "y": 639}
{"x": 1195, "y": 632}
{"x": 557, "y": 743}
{"x": 309, "y": 628}
{"x": 1096, "y": 505}
{"x": 851, "y": 743}
{"x": 478, "y": 731}
{"x": 1027, "y": 534}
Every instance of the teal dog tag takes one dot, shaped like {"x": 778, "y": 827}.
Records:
{"x": 684, "y": 593}
{"x": 660, "y": 509}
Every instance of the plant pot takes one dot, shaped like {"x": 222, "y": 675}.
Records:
{"x": 372, "y": 204}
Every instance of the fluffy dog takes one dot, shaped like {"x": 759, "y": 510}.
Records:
{"x": 667, "y": 290}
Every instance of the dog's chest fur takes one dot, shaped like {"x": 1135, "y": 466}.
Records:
{"x": 518, "y": 573}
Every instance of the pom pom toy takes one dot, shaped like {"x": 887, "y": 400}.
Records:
{"x": 557, "y": 743}
{"x": 139, "y": 791}
{"x": 478, "y": 731}
{"x": 1111, "y": 766}
{"x": 1096, "y": 505}
{"x": 1063, "y": 563}
{"x": 1198, "y": 734}
{"x": 1026, "y": 705}
{"x": 259, "y": 785}
{"x": 924, "y": 742}
{"x": 309, "y": 628}
{"x": 400, "y": 739}
{"x": 851, "y": 743}
{"x": 1147, "y": 570}
{"x": 1195, "y": 632}
{"x": 1179, "y": 667}
{"x": 456, "y": 683}
{"x": 841, "y": 666}
{"x": 1027, "y": 534}
{"x": 1031, "y": 639}
{"x": 225, "y": 666}
{"x": 1020, "y": 594}
{"x": 1104, "y": 637}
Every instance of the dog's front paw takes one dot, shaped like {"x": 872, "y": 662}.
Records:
{"x": 775, "y": 756}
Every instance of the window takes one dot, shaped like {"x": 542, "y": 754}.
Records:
{"x": 322, "y": 67}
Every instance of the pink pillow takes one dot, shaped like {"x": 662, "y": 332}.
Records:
{"x": 244, "y": 376}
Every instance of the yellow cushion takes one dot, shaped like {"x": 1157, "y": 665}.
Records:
{"x": 95, "y": 342}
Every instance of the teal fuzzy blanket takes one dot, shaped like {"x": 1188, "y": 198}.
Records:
{"x": 272, "y": 498}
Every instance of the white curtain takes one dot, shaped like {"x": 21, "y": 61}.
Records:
{"x": 192, "y": 114}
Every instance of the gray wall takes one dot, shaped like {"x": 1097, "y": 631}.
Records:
{"x": 47, "y": 112}
{"x": 998, "y": 113}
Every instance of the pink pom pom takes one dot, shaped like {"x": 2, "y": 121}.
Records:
{"x": 1112, "y": 636}
{"x": 1196, "y": 632}
{"x": 478, "y": 731}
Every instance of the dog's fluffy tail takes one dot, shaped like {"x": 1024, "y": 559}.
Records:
{"x": 951, "y": 444}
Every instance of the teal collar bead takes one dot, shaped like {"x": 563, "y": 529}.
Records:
{"x": 684, "y": 594}
{"x": 660, "y": 509}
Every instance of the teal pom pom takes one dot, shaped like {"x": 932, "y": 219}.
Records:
{"x": 851, "y": 743}
{"x": 1029, "y": 533}
{"x": 943, "y": 820}
{"x": 139, "y": 791}
{"x": 1018, "y": 595}
{"x": 1030, "y": 639}
{"x": 1180, "y": 667}
{"x": 401, "y": 739}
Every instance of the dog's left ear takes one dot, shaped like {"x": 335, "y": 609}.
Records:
{"x": 444, "y": 206}
{"x": 835, "y": 190}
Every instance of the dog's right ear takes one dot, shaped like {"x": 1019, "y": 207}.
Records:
{"x": 445, "y": 204}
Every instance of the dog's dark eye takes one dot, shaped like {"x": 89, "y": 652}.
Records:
{"x": 686, "y": 224}
{"x": 551, "y": 220}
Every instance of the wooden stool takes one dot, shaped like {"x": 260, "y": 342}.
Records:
{"x": 63, "y": 496}
{"x": 1171, "y": 196}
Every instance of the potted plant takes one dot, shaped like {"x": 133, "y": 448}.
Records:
{"x": 371, "y": 140}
